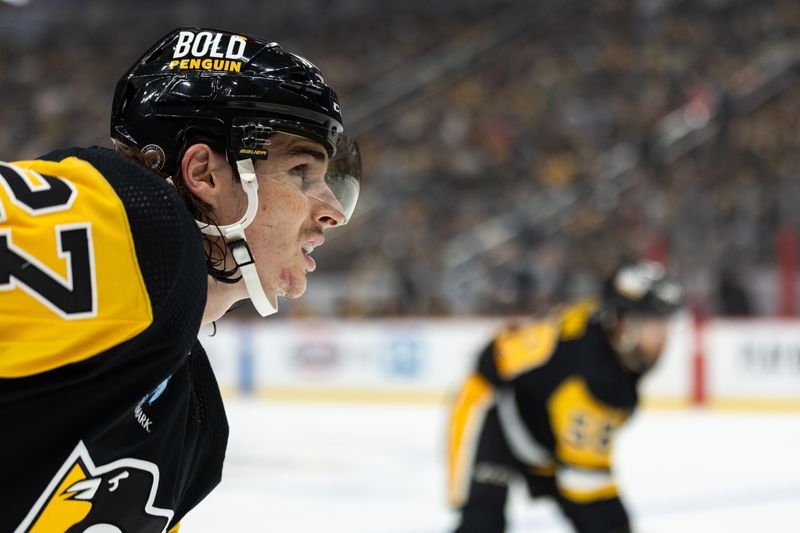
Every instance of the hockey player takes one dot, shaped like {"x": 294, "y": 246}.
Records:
{"x": 230, "y": 164}
{"x": 547, "y": 398}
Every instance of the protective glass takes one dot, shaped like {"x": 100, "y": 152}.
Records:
{"x": 319, "y": 162}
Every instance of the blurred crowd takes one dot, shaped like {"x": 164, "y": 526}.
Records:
{"x": 581, "y": 134}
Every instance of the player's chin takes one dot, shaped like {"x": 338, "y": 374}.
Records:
{"x": 295, "y": 292}
{"x": 289, "y": 282}
{"x": 295, "y": 285}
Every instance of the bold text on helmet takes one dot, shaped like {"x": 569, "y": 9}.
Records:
{"x": 205, "y": 43}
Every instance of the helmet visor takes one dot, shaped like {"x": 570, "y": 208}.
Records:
{"x": 321, "y": 163}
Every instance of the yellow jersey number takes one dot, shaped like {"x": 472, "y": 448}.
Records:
{"x": 583, "y": 426}
{"x": 37, "y": 195}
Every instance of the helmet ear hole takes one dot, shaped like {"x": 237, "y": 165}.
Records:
{"x": 154, "y": 157}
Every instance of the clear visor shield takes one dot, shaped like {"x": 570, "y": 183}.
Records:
{"x": 319, "y": 162}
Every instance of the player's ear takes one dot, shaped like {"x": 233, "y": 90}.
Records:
{"x": 197, "y": 171}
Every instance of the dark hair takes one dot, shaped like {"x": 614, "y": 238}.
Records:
{"x": 200, "y": 210}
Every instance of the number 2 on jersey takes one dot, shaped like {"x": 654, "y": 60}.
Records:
{"x": 36, "y": 195}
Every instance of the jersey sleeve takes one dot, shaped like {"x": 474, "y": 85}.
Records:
{"x": 93, "y": 248}
{"x": 486, "y": 367}
{"x": 517, "y": 349}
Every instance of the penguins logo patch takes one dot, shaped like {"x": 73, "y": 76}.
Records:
{"x": 113, "y": 498}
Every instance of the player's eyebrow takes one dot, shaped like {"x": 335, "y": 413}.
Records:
{"x": 318, "y": 155}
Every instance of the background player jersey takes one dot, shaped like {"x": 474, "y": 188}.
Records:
{"x": 110, "y": 409}
{"x": 567, "y": 386}
{"x": 557, "y": 394}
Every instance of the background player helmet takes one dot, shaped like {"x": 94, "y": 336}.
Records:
{"x": 240, "y": 90}
{"x": 637, "y": 293}
{"x": 642, "y": 288}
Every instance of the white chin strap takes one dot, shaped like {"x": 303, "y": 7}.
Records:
{"x": 237, "y": 242}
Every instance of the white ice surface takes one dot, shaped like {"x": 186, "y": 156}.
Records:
{"x": 342, "y": 468}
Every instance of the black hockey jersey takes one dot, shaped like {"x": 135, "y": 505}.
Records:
{"x": 111, "y": 412}
{"x": 560, "y": 395}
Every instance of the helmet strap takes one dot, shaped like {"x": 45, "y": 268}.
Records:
{"x": 235, "y": 238}
{"x": 244, "y": 260}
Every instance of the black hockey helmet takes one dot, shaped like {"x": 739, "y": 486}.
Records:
{"x": 233, "y": 87}
{"x": 643, "y": 289}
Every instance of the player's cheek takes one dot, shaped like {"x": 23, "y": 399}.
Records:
{"x": 654, "y": 337}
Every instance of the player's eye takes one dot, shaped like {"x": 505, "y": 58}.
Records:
{"x": 300, "y": 171}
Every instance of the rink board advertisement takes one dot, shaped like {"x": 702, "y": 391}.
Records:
{"x": 383, "y": 360}
{"x": 753, "y": 360}
{"x": 744, "y": 363}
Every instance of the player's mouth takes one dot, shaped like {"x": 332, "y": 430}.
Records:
{"x": 308, "y": 247}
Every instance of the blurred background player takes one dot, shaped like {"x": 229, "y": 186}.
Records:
{"x": 547, "y": 398}
{"x": 118, "y": 421}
